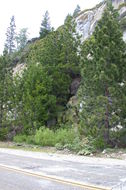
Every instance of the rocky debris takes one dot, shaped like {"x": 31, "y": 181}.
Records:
{"x": 19, "y": 69}
{"x": 71, "y": 114}
{"x": 113, "y": 153}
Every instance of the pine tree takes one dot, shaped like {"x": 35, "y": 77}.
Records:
{"x": 71, "y": 44}
{"x": 35, "y": 99}
{"x": 59, "y": 55}
{"x": 45, "y": 25}
{"x": 103, "y": 77}
{"x": 5, "y": 90}
{"x": 10, "y": 37}
{"x": 22, "y": 38}
{"x": 76, "y": 11}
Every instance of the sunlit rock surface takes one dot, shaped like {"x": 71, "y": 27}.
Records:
{"x": 87, "y": 20}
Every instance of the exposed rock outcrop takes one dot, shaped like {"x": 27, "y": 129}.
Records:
{"x": 75, "y": 85}
{"x": 19, "y": 69}
{"x": 87, "y": 20}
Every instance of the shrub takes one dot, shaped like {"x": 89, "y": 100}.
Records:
{"x": 62, "y": 138}
{"x": 45, "y": 137}
{"x": 122, "y": 137}
{"x": 30, "y": 139}
{"x": 3, "y": 133}
{"x": 82, "y": 146}
{"x": 65, "y": 136}
{"x": 20, "y": 138}
{"x": 59, "y": 146}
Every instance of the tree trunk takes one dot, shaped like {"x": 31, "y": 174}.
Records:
{"x": 1, "y": 115}
{"x": 106, "y": 131}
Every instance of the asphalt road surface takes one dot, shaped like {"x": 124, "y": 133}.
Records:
{"x": 57, "y": 172}
{"x": 10, "y": 180}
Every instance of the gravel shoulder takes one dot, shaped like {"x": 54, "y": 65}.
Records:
{"x": 114, "y": 154}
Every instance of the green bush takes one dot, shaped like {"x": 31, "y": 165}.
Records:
{"x": 65, "y": 136}
{"x": 24, "y": 139}
{"x": 30, "y": 139}
{"x": 3, "y": 133}
{"x": 99, "y": 143}
{"x": 82, "y": 146}
{"x": 122, "y": 137}
{"x": 59, "y": 146}
{"x": 20, "y": 138}
{"x": 45, "y": 137}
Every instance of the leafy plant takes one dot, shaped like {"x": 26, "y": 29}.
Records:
{"x": 45, "y": 137}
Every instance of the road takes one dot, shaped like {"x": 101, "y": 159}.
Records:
{"x": 24, "y": 170}
{"x": 10, "y": 180}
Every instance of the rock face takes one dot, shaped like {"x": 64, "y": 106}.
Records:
{"x": 117, "y": 3}
{"x": 87, "y": 20}
{"x": 74, "y": 86}
{"x": 19, "y": 69}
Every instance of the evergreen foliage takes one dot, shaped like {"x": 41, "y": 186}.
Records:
{"x": 39, "y": 94}
{"x": 10, "y": 37}
{"x": 58, "y": 53}
{"x": 76, "y": 11}
{"x": 22, "y": 38}
{"x": 5, "y": 91}
{"x": 45, "y": 25}
{"x": 35, "y": 101}
{"x": 103, "y": 78}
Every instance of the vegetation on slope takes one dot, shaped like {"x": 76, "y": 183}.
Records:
{"x": 32, "y": 102}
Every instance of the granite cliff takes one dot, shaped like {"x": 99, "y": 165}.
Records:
{"x": 87, "y": 19}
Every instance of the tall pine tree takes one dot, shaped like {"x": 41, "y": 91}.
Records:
{"x": 103, "y": 77}
{"x": 5, "y": 90}
{"x": 45, "y": 25}
{"x": 76, "y": 11}
{"x": 10, "y": 37}
{"x": 22, "y": 38}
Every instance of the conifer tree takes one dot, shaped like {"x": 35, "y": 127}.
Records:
{"x": 71, "y": 43}
{"x": 5, "y": 90}
{"x": 10, "y": 37}
{"x": 103, "y": 77}
{"x": 35, "y": 102}
{"x": 59, "y": 55}
{"x": 76, "y": 11}
{"x": 45, "y": 25}
{"x": 22, "y": 38}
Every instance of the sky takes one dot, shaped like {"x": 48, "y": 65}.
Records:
{"x": 29, "y": 14}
